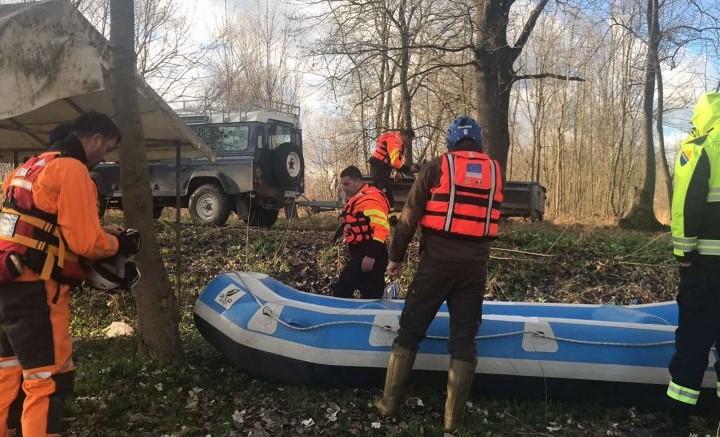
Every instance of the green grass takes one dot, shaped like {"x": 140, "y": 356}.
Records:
{"x": 117, "y": 394}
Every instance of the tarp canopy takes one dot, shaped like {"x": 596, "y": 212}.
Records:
{"x": 54, "y": 65}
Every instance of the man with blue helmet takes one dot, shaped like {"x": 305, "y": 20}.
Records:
{"x": 456, "y": 201}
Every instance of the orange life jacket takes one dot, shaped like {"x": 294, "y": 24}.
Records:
{"x": 31, "y": 234}
{"x": 467, "y": 201}
{"x": 366, "y": 216}
{"x": 389, "y": 148}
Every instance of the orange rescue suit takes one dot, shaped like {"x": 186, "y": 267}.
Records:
{"x": 389, "y": 149}
{"x": 38, "y": 355}
{"x": 468, "y": 198}
{"x": 366, "y": 216}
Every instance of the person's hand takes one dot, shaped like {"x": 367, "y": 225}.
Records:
{"x": 129, "y": 242}
{"x": 393, "y": 268}
{"x": 396, "y": 176}
{"x": 113, "y": 229}
{"x": 367, "y": 264}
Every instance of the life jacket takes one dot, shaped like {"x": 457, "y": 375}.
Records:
{"x": 31, "y": 234}
{"x": 389, "y": 149}
{"x": 467, "y": 201}
{"x": 366, "y": 216}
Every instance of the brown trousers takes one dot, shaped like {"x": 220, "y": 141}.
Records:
{"x": 462, "y": 286}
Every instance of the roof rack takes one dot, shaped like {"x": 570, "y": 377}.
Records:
{"x": 201, "y": 111}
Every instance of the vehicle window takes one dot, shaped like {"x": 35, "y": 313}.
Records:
{"x": 279, "y": 134}
{"x": 225, "y": 138}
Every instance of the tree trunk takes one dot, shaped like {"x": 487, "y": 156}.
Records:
{"x": 642, "y": 214}
{"x": 158, "y": 334}
{"x": 660, "y": 133}
{"x": 494, "y": 76}
{"x": 405, "y": 96}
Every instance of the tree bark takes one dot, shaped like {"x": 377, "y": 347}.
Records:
{"x": 494, "y": 76}
{"x": 642, "y": 214}
{"x": 660, "y": 133}
{"x": 158, "y": 334}
{"x": 405, "y": 96}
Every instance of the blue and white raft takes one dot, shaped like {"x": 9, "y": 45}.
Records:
{"x": 278, "y": 333}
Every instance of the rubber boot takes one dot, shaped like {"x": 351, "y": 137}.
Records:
{"x": 677, "y": 419}
{"x": 398, "y": 371}
{"x": 460, "y": 378}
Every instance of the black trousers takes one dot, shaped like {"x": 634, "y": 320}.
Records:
{"x": 380, "y": 175}
{"x": 370, "y": 284}
{"x": 698, "y": 324}
{"x": 462, "y": 287}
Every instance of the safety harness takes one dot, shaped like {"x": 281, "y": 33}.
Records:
{"x": 33, "y": 235}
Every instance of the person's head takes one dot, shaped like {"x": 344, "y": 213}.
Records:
{"x": 464, "y": 134}
{"x": 408, "y": 135}
{"x": 98, "y": 134}
{"x": 59, "y": 133}
{"x": 351, "y": 180}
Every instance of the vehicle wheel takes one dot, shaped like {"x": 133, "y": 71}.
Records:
{"x": 157, "y": 211}
{"x": 288, "y": 165}
{"x": 290, "y": 210}
{"x": 209, "y": 206}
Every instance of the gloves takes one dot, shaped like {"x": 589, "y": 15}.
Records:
{"x": 129, "y": 242}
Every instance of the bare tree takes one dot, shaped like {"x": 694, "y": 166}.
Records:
{"x": 157, "y": 309}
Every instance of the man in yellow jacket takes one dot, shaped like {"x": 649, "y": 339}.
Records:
{"x": 48, "y": 226}
{"x": 696, "y": 246}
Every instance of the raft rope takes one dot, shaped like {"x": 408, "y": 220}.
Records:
{"x": 268, "y": 311}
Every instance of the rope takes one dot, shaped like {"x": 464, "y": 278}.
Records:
{"x": 267, "y": 310}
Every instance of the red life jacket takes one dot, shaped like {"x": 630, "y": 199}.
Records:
{"x": 31, "y": 234}
{"x": 389, "y": 148}
{"x": 467, "y": 201}
{"x": 365, "y": 216}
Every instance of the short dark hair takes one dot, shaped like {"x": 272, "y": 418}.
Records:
{"x": 60, "y": 132}
{"x": 92, "y": 122}
{"x": 351, "y": 172}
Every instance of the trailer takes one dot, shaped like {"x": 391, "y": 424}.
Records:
{"x": 522, "y": 199}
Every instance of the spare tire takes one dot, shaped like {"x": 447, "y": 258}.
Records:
{"x": 288, "y": 165}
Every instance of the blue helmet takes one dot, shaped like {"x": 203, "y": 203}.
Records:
{"x": 461, "y": 128}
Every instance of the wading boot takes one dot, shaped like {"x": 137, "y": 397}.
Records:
{"x": 398, "y": 371}
{"x": 460, "y": 378}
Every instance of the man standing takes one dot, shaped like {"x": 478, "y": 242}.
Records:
{"x": 365, "y": 227}
{"x": 456, "y": 200}
{"x": 48, "y": 225}
{"x": 389, "y": 154}
{"x": 696, "y": 246}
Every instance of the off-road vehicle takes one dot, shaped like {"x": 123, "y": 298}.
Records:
{"x": 259, "y": 168}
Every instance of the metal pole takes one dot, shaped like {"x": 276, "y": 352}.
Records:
{"x": 178, "y": 245}
{"x": 16, "y": 158}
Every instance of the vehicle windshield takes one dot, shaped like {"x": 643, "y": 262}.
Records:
{"x": 225, "y": 138}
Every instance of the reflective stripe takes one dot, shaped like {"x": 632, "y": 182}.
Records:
{"x": 684, "y": 244}
{"x": 379, "y": 221}
{"x": 451, "y": 205}
{"x": 9, "y": 363}
{"x": 708, "y": 247}
{"x": 37, "y": 375}
{"x": 714, "y": 194}
{"x": 22, "y": 183}
{"x": 683, "y": 394}
{"x": 491, "y": 196}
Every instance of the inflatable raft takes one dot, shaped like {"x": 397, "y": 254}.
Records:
{"x": 278, "y": 333}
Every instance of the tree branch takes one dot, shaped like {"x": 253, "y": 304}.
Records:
{"x": 548, "y": 76}
{"x": 530, "y": 24}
